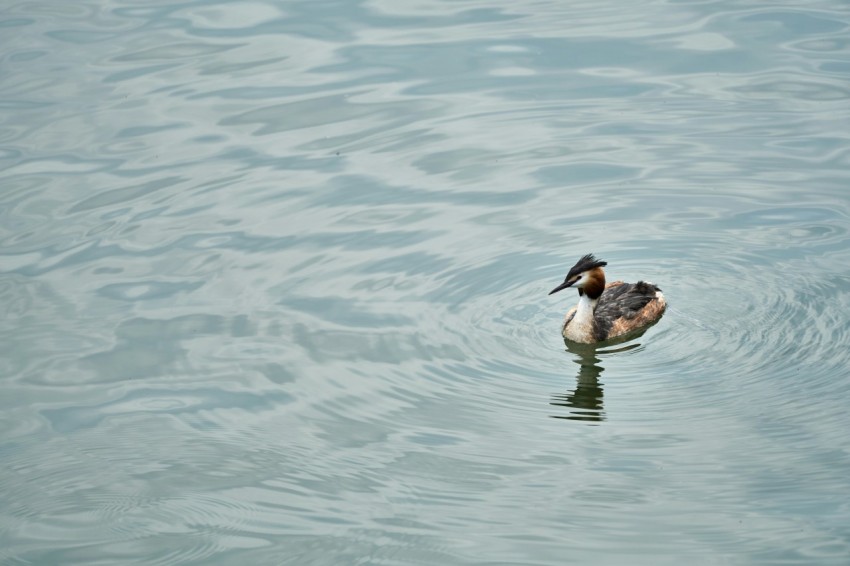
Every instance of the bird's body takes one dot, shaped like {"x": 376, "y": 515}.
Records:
{"x": 607, "y": 311}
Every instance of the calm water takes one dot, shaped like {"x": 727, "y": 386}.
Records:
{"x": 274, "y": 275}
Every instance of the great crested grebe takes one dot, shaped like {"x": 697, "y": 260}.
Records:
{"x": 607, "y": 311}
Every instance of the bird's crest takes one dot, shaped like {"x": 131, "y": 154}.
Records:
{"x": 586, "y": 263}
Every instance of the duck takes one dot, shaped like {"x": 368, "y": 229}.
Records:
{"x": 607, "y": 311}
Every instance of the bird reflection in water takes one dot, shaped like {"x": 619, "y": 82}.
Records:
{"x": 585, "y": 402}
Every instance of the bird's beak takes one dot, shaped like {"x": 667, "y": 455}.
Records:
{"x": 563, "y": 285}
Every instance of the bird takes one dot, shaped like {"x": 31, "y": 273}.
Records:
{"x": 607, "y": 311}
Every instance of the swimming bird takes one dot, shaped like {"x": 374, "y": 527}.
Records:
{"x": 607, "y": 311}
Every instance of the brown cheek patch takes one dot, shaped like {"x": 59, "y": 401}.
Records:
{"x": 595, "y": 283}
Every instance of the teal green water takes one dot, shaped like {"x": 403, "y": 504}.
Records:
{"x": 274, "y": 276}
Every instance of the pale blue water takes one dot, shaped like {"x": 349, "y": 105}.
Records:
{"x": 274, "y": 276}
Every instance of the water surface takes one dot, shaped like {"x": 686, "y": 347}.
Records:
{"x": 274, "y": 276}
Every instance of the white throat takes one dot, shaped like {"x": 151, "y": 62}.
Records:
{"x": 580, "y": 328}
{"x": 585, "y": 308}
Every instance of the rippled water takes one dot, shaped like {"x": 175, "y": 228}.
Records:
{"x": 274, "y": 275}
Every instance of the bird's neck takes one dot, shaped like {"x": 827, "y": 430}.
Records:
{"x": 586, "y": 306}
{"x": 580, "y": 328}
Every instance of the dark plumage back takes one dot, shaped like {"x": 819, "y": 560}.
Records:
{"x": 622, "y": 301}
